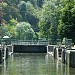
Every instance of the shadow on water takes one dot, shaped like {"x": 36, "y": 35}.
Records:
{"x": 34, "y": 64}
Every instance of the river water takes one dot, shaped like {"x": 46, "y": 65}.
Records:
{"x": 34, "y": 64}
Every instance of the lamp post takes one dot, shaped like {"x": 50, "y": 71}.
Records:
{"x": 6, "y": 38}
{"x": 6, "y": 42}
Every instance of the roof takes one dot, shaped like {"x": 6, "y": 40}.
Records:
{"x": 5, "y": 37}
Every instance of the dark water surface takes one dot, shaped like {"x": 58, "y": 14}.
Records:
{"x": 34, "y": 64}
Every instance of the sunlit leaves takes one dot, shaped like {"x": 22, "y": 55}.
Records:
{"x": 67, "y": 23}
{"x": 48, "y": 20}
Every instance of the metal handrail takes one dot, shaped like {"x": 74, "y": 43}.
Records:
{"x": 29, "y": 42}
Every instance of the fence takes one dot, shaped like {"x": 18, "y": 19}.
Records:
{"x": 29, "y": 42}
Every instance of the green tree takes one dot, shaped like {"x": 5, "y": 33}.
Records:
{"x": 27, "y": 11}
{"x": 48, "y": 20}
{"x": 10, "y": 28}
{"x": 67, "y": 22}
{"x": 25, "y": 31}
{"x": 31, "y": 15}
{"x": 11, "y": 11}
{"x": 22, "y": 9}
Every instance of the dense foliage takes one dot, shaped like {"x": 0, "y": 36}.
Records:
{"x": 25, "y": 31}
{"x": 47, "y": 19}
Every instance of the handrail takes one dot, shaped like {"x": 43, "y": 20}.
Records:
{"x": 29, "y": 42}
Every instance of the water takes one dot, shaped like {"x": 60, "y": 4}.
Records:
{"x": 34, "y": 64}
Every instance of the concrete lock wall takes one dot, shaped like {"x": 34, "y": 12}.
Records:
{"x": 29, "y": 49}
{"x": 50, "y": 48}
{"x": 63, "y": 55}
{"x": 0, "y": 56}
{"x": 67, "y": 58}
{"x": 10, "y": 49}
{"x": 59, "y": 52}
{"x": 70, "y": 58}
{"x": 7, "y": 52}
{"x": 55, "y": 53}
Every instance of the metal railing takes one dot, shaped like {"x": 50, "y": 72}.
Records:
{"x": 29, "y": 42}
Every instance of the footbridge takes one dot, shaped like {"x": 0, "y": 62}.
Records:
{"x": 29, "y": 42}
{"x": 29, "y": 46}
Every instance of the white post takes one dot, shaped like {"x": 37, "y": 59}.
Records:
{"x": 5, "y": 51}
{"x": 47, "y": 49}
{"x": 12, "y": 48}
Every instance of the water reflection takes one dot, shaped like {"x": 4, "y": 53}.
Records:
{"x": 70, "y": 71}
{"x": 0, "y": 70}
{"x": 34, "y": 64}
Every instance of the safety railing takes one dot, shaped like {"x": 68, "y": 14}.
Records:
{"x": 29, "y": 42}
